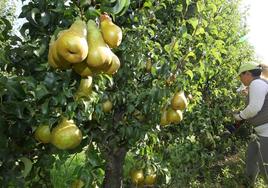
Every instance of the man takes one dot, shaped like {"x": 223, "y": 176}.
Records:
{"x": 256, "y": 113}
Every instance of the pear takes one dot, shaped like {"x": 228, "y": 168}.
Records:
{"x": 66, "y": 135}
{"x": 53, "y": 59}
{"x": 72, "y": 43}
{"x": 179, "y": 101}
{"x": 137, "y": 177}
{"x": 174, "y": 116}
{"x": 78, "y": 183}
{"x": 61, "y": 63}
{"x": 82, "y": 69}
{"x": 149, "y": 65}
{"x": 85, "y": 88}
{"x": 163, "y": 120}
{"x": 107, "y": 106}
{"x": 42, "y": 134}
{"x": 115, "y": 65}
{"x": 99, "y": 53}
{"x": 112, "y": 34}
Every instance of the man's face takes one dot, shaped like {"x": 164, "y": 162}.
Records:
{"x": 246, "y": 78}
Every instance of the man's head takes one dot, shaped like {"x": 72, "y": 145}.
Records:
{"x": 249, "y": 71}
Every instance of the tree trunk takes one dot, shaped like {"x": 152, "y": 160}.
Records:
{"x": 114, "y": 168}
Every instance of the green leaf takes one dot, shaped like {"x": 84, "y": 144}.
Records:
{"x": 84, "y": 3}
{"x": 15, "y": 108}
{"x": 191, "y": 54}
{"x": 34, "y": 13}
{"x": 45, "y": 107}
{"x": 188, "y": 2}
{"x": 41, "y": 91}
{"x": 190, "y": 73}
{"x": 199, "y": 31}
{"x": 92, "y": 13}
{"x": 193, "y": 22}
{"x": 163, "y": 5}
{"x": 41, "y": 50}
{"x": 183, "y": 31}
{"x": 120, "y": 7}
{"x": 25, "y": 29}
{"x": 50, "y": 79}
{"x": 5, "y": 32}
{"x": 200, "y": 6}
{"x": 147, "y": 4}
{"x": 213, "y": 7}
{"x": 45, "y": 19}
{"x": 15, "y": 88}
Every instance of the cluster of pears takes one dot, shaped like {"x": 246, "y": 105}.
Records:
{"x": 173, "y": 114}
{"x": 66, "y": 135}
{"x": 140, "y": 177}
{"x": 86, "y": 48}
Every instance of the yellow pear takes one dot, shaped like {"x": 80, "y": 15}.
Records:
{"x": 53, "y": 58}
{"x": 99, "y": 54}
{"x": 112, "y": 34}
{"x": 137, "y": 176}
{"x": 107, "y": 106}
{"x": 179, "y": 101}
{"x": 61, "y": 63}
{"x": 42, "y": 134}
{"x": 174, "y": 116}
{"x": 72, "y": 43}
{"x": 85, "y": 88}
{"x": 163, "y": 120}
{"x": 150, "y": 180}
{"x": 66, "y": 135}
{"x": 82, "y": 69}
{"x": 78, "y": 183}
{"x": 149, "y": 65}
{"x": 115, "y": 65}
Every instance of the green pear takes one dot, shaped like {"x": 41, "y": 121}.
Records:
{"x": 72, "y": 43}
{"x": 66, "y": 135}
{"x": 179, "y": 101}
{"x": 54, "y": 60}
{"x": 85, "y": 88}
{"x": 99, "y": 53}
{"x": 112, "y": 34}
{"x": 82, "y": 69}
{"x": 115, "y": 65}
{"x": 174, "y": 116}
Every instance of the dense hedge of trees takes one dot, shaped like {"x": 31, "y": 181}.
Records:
{"x": 168, "y": 46}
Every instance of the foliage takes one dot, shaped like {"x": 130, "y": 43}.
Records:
{"x": 77, "y": 166}
{"x": 193, "y": 45}
{"x": 7, "y": 9}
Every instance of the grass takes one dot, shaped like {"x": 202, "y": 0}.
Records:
{"x": 225, "y": 173}
{"x": 65, "y": 172}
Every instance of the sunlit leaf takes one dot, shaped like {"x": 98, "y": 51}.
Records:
{"x": 193, "y": 22}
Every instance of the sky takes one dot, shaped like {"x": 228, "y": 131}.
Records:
{"x": 258, "y": 27}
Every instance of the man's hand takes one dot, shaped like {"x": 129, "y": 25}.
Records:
{"x": 232, "y": 128}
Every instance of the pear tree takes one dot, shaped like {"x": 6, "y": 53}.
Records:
{"x": 115, "y": 79}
